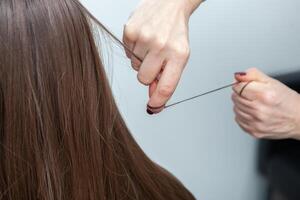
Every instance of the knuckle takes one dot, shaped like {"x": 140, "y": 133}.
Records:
{"x": 259, "y": 114}
{"x": 145, "y": 36}
{"x": 136, "y": 68}
{"x": 269, "y": 97}
{"x": 183, "y": 52}
{"x": 143, "y": 79}
{"x": 248, "y": 130}
{"x": 135, "y": 64}
{"x": 261, "y": 117}
{"x": 130, "y": 33}
{"x": 165, "y": 91}
{"x": 257, "y": 108}
{"x": 259, "y": 127}
{"x": 252, "y": 105}
{"x": 159, "y": 43}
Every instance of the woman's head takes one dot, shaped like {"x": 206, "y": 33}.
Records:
{"x": 61, "y": 135}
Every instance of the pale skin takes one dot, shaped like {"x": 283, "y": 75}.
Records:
{"x": 157, "y": 32}
{"x": 266, "y": 108}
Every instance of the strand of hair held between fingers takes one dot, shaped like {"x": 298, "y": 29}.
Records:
{"x": 139, "y": 59}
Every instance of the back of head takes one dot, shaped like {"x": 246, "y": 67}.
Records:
{"x": 61, "y": 135}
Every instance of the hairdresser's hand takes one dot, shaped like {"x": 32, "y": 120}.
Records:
{"x": 266, "y": 108}
{"x": 157, "y": 32}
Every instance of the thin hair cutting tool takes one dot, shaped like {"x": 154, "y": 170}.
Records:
{"x": 178, "y": 102}
{"x": 116, "y": 39}
{"x": 200, "y": 95}
{"x": 181, "y": 101}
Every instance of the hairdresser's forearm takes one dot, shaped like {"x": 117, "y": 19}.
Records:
{"x": 194, "y": 4}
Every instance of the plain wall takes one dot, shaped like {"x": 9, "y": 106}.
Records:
{"x": 199, "y": 141}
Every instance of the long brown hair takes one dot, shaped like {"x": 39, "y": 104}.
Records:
{"x": 61, "y": 134}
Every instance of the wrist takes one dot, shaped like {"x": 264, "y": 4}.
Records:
{"x": 192, "y": 5}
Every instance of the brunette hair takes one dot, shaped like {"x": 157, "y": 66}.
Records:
{"x": 61, "y": 134}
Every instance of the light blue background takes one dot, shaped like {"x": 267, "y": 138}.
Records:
{"x": 199, "y": 141}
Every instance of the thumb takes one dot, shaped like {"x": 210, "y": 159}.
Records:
{"x": 251, "y": 74}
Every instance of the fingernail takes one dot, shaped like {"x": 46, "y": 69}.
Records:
{"x": 149, "y": 112}
{"x": 240, "y": 73}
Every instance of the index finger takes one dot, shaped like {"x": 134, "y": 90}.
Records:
{"x": 251, "y": 92}
{"x": 129, "y": 39}
{"x": 165, "y": 87}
